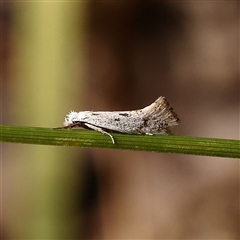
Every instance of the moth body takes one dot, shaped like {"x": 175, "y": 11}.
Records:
{"x": 155, "y": 119}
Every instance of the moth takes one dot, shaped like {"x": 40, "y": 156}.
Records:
{"x": 155, "y": 119}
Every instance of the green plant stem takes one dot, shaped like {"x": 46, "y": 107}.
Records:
{"x": 87, "y": 138}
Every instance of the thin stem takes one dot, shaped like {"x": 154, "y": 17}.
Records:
{"x": 87, "y": 138}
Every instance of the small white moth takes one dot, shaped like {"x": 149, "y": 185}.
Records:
{"x": 157, "y": 118}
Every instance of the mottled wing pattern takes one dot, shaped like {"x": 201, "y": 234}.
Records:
{"x": 157, "y": 118}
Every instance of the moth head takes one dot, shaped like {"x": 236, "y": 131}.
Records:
{"x": 71, "y": 118}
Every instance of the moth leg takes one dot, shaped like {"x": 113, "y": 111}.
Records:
{"x": 99, "y": 130}
{"x": 72, "y": 125}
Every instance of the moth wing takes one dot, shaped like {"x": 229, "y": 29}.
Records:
{"x": 162, "y": 110}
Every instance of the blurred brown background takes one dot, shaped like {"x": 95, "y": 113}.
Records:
{"x": 108, "y": 55}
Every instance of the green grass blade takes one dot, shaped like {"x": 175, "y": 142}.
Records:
{"x": 87, "y": 138}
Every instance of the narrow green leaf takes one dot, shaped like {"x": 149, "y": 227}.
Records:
{"x": 87, "y": 138}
